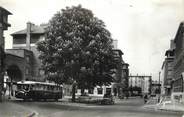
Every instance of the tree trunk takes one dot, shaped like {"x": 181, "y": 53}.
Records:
{"x": 73, "y": 92}
{"x": 82, "y": 91}
{"x": 1, "y": 86}
{"x": 1, "y": 95}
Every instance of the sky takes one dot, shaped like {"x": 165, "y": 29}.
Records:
{"x": 143, "y": 28}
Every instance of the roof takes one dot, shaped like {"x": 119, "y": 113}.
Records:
{"x": 118, "y": 51}
{"x": 9, "y": 54}
{"x": 35, "y": 82}
{"x": 180, "y": 28}
{"x": 34, "y": 30}
{"x": 169, "y": 51}
{"x": 8, "y": 13}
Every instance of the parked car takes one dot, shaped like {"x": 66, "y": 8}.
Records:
{"x": 108, "y": 99}
{"x": 84, "y": 98}
{"x": 166, "y": 100}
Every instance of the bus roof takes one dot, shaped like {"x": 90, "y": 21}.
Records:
{"x": 35, "y": 82}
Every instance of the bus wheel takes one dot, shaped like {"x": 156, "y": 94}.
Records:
{"x": 24, "y": 99}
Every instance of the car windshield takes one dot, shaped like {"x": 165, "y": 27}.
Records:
{"x": 107, "y": 96}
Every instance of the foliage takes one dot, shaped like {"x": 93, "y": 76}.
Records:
{"x": 77, "y": 48}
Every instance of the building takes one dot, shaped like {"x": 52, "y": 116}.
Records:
{"x": 3, "y": 26}
{"x": 19, "y": 64}
{"x": 120, "y": 85}
{"x": 167, "y": 71}
{"x": 156, "y": 87}
{"x": 24, "y": 45}
{"x": 178, "y": 80}
{"x": 140, "y": 85}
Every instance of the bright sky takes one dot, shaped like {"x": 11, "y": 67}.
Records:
{"x": 143, "y": 28}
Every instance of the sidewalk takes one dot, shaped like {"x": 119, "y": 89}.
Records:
{"x": 10, "y": 109}
{"x": 152, "y": 104}
{"x": 172, "y": 107}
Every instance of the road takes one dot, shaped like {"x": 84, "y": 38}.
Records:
{"x": 124, "y": 108}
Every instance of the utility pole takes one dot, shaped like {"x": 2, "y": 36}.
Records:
{"x": 159, "y": 82}
{"x": 159, "y": 87}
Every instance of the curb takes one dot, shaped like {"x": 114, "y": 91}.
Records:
{"x": 33, "y": 114}
{"x": 162, "y": 109}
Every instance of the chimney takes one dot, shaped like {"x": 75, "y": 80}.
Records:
{"x": 172, "y": 44}
{"x": 28, "y": 35}
{"x": 115, "y": 44}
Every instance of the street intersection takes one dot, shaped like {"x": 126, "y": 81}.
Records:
{"x": 132, "y": 107}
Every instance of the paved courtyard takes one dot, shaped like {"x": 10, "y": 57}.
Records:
{"x": 123, "y": 108}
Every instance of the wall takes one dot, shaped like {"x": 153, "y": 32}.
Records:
{"x": 177, "y": 97}
{"x": 16, "y": 60}
{"x": 179, "y": 59}
{"x": 22, "y": 58}
{"x": 140, "y": 81}
{"x": 36, "y": 63}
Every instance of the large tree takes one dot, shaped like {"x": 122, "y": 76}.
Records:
{"x": 77, "y": 48}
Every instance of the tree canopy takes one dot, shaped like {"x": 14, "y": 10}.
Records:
{"x": 78, "y": 47}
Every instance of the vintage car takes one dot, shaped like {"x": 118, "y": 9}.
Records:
{"x": 84, "y": 98}
{"x": 108, "y": 99}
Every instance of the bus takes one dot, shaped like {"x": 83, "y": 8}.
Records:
{"x": 38, "y": 90}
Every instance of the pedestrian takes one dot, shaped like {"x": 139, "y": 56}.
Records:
{"x": 145, "y": 98}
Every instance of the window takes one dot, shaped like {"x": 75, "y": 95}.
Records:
{"x": 41, "y": 72}
{"x": 27, "y": 59}
{"x": 27, "y": 70}
{"x": 108, "y": 90}
{"x": 169, "y": 73}
{"x": 19, "y": 39}
{"x": 100, "y": 90}
{"x": 90, "y": 91}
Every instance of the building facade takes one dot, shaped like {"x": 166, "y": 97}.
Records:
{"x": 168, "y": 71}
{"x": 3, "y": 26}
{"x": 140, "y": 85}
{"x": 24, "y": 45}
{"x": 120, "y": 85}
{"x": 19, "y": 61}
{"x": 178, "y": 80}
{"x": 156, "y": 87}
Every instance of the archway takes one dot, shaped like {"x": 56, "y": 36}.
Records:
{"x": 14, "y": 73}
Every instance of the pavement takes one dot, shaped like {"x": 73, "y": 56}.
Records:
{"x": 174, "y": 107}
{"x": 9, "y": 109}
{"x": 123, "y": 108}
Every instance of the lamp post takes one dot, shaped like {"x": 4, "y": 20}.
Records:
{"x": 159, "y": 87}
{"x": 159, "y": 83}
{"x": 125, "y": 80}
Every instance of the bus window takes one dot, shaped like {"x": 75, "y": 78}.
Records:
{"x": 44, "y": 87}
{"x": 48, "y": 88}
{"x": 19, "y": 86}
{"x": 51, "y": 88}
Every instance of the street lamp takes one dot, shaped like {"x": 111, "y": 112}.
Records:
{"x": 125, "y": 73}
{"x": 159, "y": 83}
